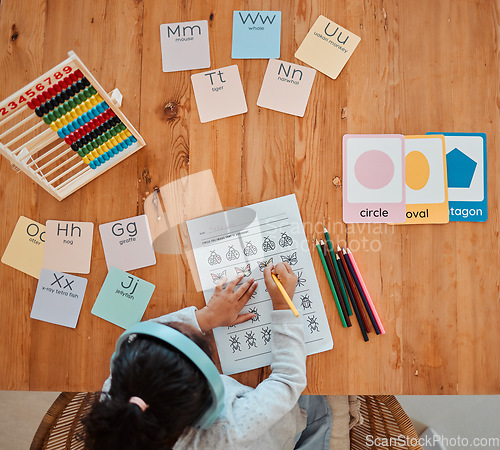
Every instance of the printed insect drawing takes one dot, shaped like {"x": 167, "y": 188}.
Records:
{"x": 305, "y": 302}
{"x": 214, "y": 258}
{"x": 249, "y": 249}
{"x": 251, "y": 339}
{"x": 232, "y": 253}
{"x": 285, "y": 240}
{"x": 290, "y": 259}
{"x": 216, "y": 277}
{"x": 268, "y": 245}
{"x": 300, "y": 279}
{"x": 264, "y": 264}
{"x": 255, "y": 311}
{"x": 234, "y": 343}
{"x": 246, "y": 271}
{"x": 266, "y": 335}
{"x": 312, "y": 323}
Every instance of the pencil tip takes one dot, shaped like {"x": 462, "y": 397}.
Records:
{"x": 324, "y": 228}
{"x": 321, "y": 241}
{"x": 338, "y": 247}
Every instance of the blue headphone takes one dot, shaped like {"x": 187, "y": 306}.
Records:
{"x": 191, "y": 351}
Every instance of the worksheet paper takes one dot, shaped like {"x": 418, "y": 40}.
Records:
{"x": 245, "y": 240}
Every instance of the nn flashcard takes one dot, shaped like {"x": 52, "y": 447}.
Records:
{"x": 374, "y": 178}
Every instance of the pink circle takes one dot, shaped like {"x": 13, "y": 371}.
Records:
{"x": 374, "y": 169}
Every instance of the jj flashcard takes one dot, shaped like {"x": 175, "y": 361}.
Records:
{"x": 123, "y": 298}
{"x": 327, "y": 47}
{"x": 219, "y": 93}
{"x": 256, "y": 34}
{"x": 127, "y": 243}
{"x": 58, "y": 298}
{"x": 286, "y": 87}
{"x": 68, "y": 246}
{"x": 185, "y": 46}
{"x": 467, "y": 176}
{"x": 25, "y": 249}
{"x": 374, "y": 178}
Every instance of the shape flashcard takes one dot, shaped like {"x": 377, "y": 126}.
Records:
{"x": 219, "y": 93}
{"x": 286, "y": 87}
{"x": 58, "y": 298}
{"x": 184, "y": 46}
{"x": 68, "y": 246}
{"x": 123, "y": 298}
{"x": 426, "y": 181}
{"x": 127, "y": 243}
{"x": 25, "y": 249}
{"x": 467, "y": 176}
{"x": 374, "y": 178}
{"x": 327, "y": 47}
{"x": 256, "y": 34}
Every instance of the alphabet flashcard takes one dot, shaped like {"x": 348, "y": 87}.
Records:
{"x": 68, "y": 246}
{"x": 286, "y": 87}
{"x": 25, "y": 249}
{"x": 219, "y": 93}
{"x": 58, "y": 298}
{"x": 127, "y": 243}
{"x": 327, "y": 47}
{"x": 184, "y": 46}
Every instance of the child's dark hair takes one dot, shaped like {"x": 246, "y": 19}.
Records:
{"x": 173, "y": 387}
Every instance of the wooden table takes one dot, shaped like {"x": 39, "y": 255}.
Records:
{"x": 421, "y": 66}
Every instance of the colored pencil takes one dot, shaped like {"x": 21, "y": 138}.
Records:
{"x": 361, "y": 292}
{"x": 334, "y": 279}
{"x": 330, "y": 282}
{"x": 367, "y": 294}
{"x": 285, "y": 295}
{"x": 337, "y": 272}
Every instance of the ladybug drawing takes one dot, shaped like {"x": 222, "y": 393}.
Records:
{"x": 285, "y": 240}
{"x": 232, "y": 253}
{"x": 214, "y": 258}
{"x": 249, "y": 249}
{"x": 268, "y": 245}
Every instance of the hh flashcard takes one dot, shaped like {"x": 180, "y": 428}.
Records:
{"x": 374, "y": 178}
{"x": 184, "y": 46}
{"x": 327, "y": 47}
{"x": 68, "y": 246}
{"x": 219, "y": 93}
{"x": 25, "y": 249}
{"x": 58, "y": 298}
{"x": 286, "y": 87}
{"x": 123, "y": 298}
{"x": 127, "y": 243}
{"x": 426, "y": 181}
{"x": 467, "y": 176}
{"x": 256, "y": 34}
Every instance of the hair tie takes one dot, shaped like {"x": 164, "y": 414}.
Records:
{"x": 139, "y": 402}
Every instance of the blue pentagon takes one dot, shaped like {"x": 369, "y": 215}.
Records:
{"x": 461, "y": 169}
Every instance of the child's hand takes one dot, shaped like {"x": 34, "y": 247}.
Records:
{"x": 287, "y": 278}
{"x": 226, "y": 303}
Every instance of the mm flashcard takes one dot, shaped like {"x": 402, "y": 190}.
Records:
{"x": 286, "y": 87}
{"x": 219, "y": 93}
{"x": 426, "y": 181}
{"x": 58, "y": 298}
{"x": 256, "y": 34}
{"x": 327, "y": 47}
{"x": 467, "y": 176}
{"x": 127, "y": 243}
{"x": 184, "y": 46}
{"x": 68, "y": 246}
{"x": 374, "y": 178}
{"x": 25, "y": 249}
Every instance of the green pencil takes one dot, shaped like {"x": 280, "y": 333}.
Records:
{"x": 330, "y": 282}
{"x": 339, "y": 277}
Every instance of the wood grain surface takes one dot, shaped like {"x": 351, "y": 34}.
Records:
{"x": 421, "y": 66}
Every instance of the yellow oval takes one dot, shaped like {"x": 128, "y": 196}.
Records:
{"x": 417, "y": 170}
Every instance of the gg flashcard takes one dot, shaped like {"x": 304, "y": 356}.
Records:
{"x": 327, "y": 47}
{"x": 127, "y": 243}
{"x": 426, "y": 181}
{"x": 24, "y": 251}
{"x": 256, "y": 34}
{"x": 467, "y": 176}
{"x": 184, "y": 46}
{"x": 286, "y": 87}
{"x": 374, "y": 178}
{"x": 219, "y": 93}
{"x": 68, "y": 246}
{"x": 123, "y": 298}
{"x": 58, "y": 298}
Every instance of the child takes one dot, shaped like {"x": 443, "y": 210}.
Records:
{"x": 155, "y": 394}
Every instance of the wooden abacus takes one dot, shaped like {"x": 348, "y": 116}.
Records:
{"x": 86, "y": 133}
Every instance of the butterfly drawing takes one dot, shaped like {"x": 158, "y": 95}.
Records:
{"x": 290, "y": 259}
{"x": 246, "y": 271}
{"x": 264, "y": 264}
{"x": 216, "y": 277}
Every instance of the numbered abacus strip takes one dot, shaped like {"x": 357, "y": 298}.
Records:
{"x": 63, "y": 129}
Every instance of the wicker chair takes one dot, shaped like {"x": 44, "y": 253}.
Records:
{"x": 383, "y": 417}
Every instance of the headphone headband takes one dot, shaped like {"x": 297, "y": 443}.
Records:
{"x": 191, "y": 351}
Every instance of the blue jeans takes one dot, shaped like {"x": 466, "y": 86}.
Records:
{"x": 316, "y": 435}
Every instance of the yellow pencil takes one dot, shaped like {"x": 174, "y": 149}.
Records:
{"x": 285, "y": 295}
